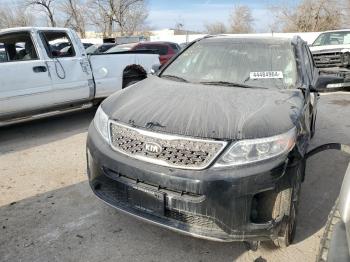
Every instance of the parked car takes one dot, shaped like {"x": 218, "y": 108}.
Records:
{"x": 166, "y": 50}
{"x": 86, "y": 45}
{"x": 121, "y": 48}
{"x": 214, "y": 144}
{"x": 183, "y": 45}
{"x": 38, "y": 80}
{"x": 68, "y": 48}
{"x": 59, "y": 45}
{"x": 331, "y": 52}
{"x": 99, "y": 48}
{"x": 335, "y": 246}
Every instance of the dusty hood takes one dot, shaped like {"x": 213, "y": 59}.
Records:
{"x": 205, "y": 111}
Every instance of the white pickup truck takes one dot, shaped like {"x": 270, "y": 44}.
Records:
{"x": 37, "y": 79}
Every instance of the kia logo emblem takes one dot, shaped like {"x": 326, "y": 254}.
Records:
{"x": 152, "y": 148}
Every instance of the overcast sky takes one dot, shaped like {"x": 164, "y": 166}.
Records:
{"x": 195, "y": 13}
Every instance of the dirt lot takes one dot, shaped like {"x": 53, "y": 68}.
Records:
{"x": 48, "y": 212}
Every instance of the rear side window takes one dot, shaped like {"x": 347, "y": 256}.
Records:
{"x": 57, "y": 44}
{"x": 159, "y": 49}
{"x": 16, "y": 47}
{"x": 175, "y": 47}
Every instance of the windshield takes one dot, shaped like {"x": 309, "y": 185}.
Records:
{"x": 253, "y": 63}
{"x": 159, "y": 49}
{"x": 91, "y": 49}
{"x": 120, "y": 48}
{"x": 333, "y": 38}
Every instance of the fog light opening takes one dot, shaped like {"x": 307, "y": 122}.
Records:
{"x": 262, "y": 207}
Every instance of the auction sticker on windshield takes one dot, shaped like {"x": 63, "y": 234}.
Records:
{"x": 266, "y": 74}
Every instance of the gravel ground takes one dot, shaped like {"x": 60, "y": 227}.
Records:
{"x": 48, "y": 212}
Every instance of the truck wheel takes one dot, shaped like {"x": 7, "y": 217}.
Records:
{"x": 130, "y": 83}
{"x": 133, "y": 74}
{"x": 287, "y": 203}
{"x": 333, "y": 219}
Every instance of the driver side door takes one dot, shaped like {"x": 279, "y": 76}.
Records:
{"x": 25, "y": 82}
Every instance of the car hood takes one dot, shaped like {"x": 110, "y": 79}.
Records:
{"x": 329, "y": 48}
{"x": 217, "y": 112}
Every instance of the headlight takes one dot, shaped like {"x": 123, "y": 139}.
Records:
{"x": 101, "y": 123}
{"x": 255, "y": 150}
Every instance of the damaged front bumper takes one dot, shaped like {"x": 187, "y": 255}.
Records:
{"x": 215, "y": 204}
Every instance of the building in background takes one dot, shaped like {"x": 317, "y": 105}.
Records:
{"x": 183, "y": 36}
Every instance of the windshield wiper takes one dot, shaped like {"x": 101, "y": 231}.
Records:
{"x": 175, "y": 77}
{"x": 224, "y": 83}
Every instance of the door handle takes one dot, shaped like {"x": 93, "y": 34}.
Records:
{"x": 39, "y": 69}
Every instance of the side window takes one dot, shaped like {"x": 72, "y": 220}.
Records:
{"x": 320, "y": 40}
{"x": 162, "y": 49}
{"x": 16, "y": 47}
{"x": 57, "y": 44}
{"x": 175, "y": 47}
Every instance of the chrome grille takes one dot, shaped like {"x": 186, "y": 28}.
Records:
{"x": 172, "y": 151}
{"x": 323, "y": 60}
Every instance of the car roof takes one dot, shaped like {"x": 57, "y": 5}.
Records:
{"x": 252, "y": 39}
{"x": 157, "y": 43}
{"x": 20, "y": 29}
{"x": 338, "y": 30}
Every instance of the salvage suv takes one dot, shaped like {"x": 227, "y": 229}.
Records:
{"x": 213, "y": 145}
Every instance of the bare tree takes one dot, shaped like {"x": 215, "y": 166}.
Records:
{"x": 75, "y": 12}
{"x": 17, "y": 16}
{"x": 135, "y": 18}
{"x": 103, "y": 12}
{"x": 310, "y": 15}
{"x": 215, "y": 28}
{"x": 118, "y": 12}
{"x": 47, "y": 6}
{"x": 99, "y": 20}
{"x": 241, "y": 20}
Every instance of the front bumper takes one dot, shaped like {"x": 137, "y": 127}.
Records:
{"x": 215, "y": 204}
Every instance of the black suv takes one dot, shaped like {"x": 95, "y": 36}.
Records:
{"x": 213, "y": 145}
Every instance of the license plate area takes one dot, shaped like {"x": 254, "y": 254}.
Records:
{"x": 146, "y": 199}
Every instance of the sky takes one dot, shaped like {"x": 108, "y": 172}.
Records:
{"x": 193, "y": 14}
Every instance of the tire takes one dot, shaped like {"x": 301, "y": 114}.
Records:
{"x": 333, "y": 219}
{"x": 133, "y": 74}
{"x": 286, "y": 204}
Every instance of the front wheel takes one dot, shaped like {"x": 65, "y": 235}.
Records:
{"x": 288, "y": 202}
{"x": 287, "y": 233}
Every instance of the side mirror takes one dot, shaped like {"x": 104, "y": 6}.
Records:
{"x": 155, "y": 68}
{"x": 328, "y": 83}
